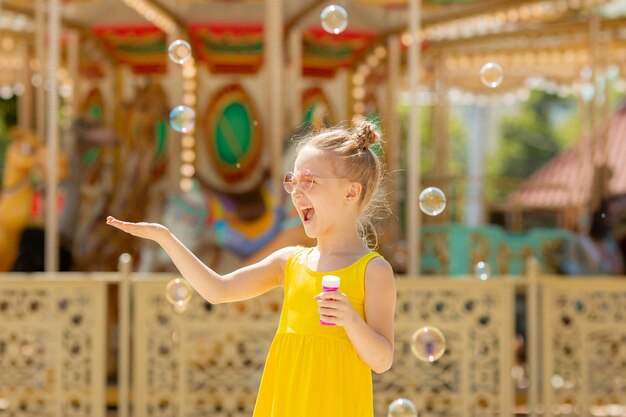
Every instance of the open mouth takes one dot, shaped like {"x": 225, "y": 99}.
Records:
{"x": 308, "y": 213}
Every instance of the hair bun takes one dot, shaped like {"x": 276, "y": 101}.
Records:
{"x": 365, "y": 133}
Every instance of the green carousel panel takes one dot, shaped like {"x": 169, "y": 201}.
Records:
{"x": 452, "y": 249}
{"x": 232, "y": 134}
{"x": 317, "y": 109}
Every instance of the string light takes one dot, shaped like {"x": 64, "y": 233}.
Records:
{"x": 359, "y": 79}
{"x": 501, "y": 20}
{"x": 188, "y": 141}
{"x": 16, "y": 22}
{"x": 154, "y": 14}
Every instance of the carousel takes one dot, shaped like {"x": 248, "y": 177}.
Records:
{"x": 188, "y": 112}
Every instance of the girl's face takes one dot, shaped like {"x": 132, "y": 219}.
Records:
{"x": 318, "y": 193}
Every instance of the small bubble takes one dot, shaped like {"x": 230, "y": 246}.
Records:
{"x": 334, "y": 19}
{"x": 491, "y": 74}
{"x": 179, "y": 51}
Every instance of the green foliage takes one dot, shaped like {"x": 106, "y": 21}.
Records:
{"x": 544, "y": 125}
{"x": 457, "y": 139}
{"x": 457, "y": 142}
{"x": 8, "y": 119}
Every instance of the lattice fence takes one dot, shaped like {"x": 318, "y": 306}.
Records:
{"x": 208, "y": 361}
{"x": 584, "y": 347}
{"x": 52, "y": 355}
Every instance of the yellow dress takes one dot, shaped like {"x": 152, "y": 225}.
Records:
{"x": 313, "y": 370}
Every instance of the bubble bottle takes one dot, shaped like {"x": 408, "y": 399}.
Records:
{"x": 329, "y": 283}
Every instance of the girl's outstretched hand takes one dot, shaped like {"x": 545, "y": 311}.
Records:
{"x": 152, "y": 231}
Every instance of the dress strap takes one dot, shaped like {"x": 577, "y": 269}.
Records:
{"x": 292, "y": 261}
{"x": 363, "y": 264}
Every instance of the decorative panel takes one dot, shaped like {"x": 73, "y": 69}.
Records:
{"x": 206, "y": 361}
{"x": 473, "y": 377}
{"x": 52, "y": 359}
{"x": 584, "y": 334}
{"x": 143, "y": 48}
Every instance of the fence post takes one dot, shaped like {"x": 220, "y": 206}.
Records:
{"x": 533, "y": 327}
{"x": 124, "y": 266}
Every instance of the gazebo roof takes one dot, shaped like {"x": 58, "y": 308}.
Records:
{"x": 567, "y": 179}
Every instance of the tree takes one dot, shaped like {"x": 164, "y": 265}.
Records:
{"x": 545, "y": 124}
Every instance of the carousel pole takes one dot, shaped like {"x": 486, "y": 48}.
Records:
{"x": 394, "y": 137}
{"x": 175, "y": 96}
{"x": 25, "y": 103}
{"x": 413, "y": 162}
{"x": 295, "y": 55}
{"x": 40, "y": 54}
{"x": 595, "y": 141}
{"x": 52, "y": 139}
{"x": 73, "y": 46}
{"x": 273, "y": 58}
{"x": 601, "y": 110}
{"x": 440, "y": 126}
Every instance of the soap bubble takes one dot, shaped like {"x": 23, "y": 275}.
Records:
{"x": 182, "y": 119}
{"x": 402, "y": 407}
{"x": 432, "y": 201}
{"x": 179, "y": 51}
{"x": 334, "y": 19}
{"x": 482, "y": 270}
{"x": 428, "y": 344}
{"x": 178, "y": 292}
{"x": 491, "y": 74}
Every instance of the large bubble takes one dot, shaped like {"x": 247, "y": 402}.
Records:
{"x": 428, "y": 344}
{"x": 432, "y": 201}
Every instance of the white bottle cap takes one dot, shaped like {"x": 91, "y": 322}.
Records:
{"x": 331, "y": 281}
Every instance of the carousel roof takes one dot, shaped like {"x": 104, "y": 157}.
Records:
{"x": 524, "y": 35}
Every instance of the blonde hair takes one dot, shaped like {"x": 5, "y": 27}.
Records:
{"x": 355, "y": 160}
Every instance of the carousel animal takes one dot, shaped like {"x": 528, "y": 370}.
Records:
{"x": 25, "y": 161}
{"x": 140, "y": 168}
{"x": 88, "y": 187}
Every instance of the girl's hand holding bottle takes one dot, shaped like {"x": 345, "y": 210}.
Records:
{"x": 335, "y": 308}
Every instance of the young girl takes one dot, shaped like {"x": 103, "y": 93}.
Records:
{"x": 315, "y": 370}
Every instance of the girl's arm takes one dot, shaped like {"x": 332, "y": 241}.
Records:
{"x": 373, "y": 337}
{"x": 241, "y": 284}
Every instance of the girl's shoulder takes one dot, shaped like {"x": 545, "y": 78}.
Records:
{"x": 287, "y": 254}
{"x": 374, "y": 261}
{"x": 379, "y": 275}
{"x": 377, "y": 263}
